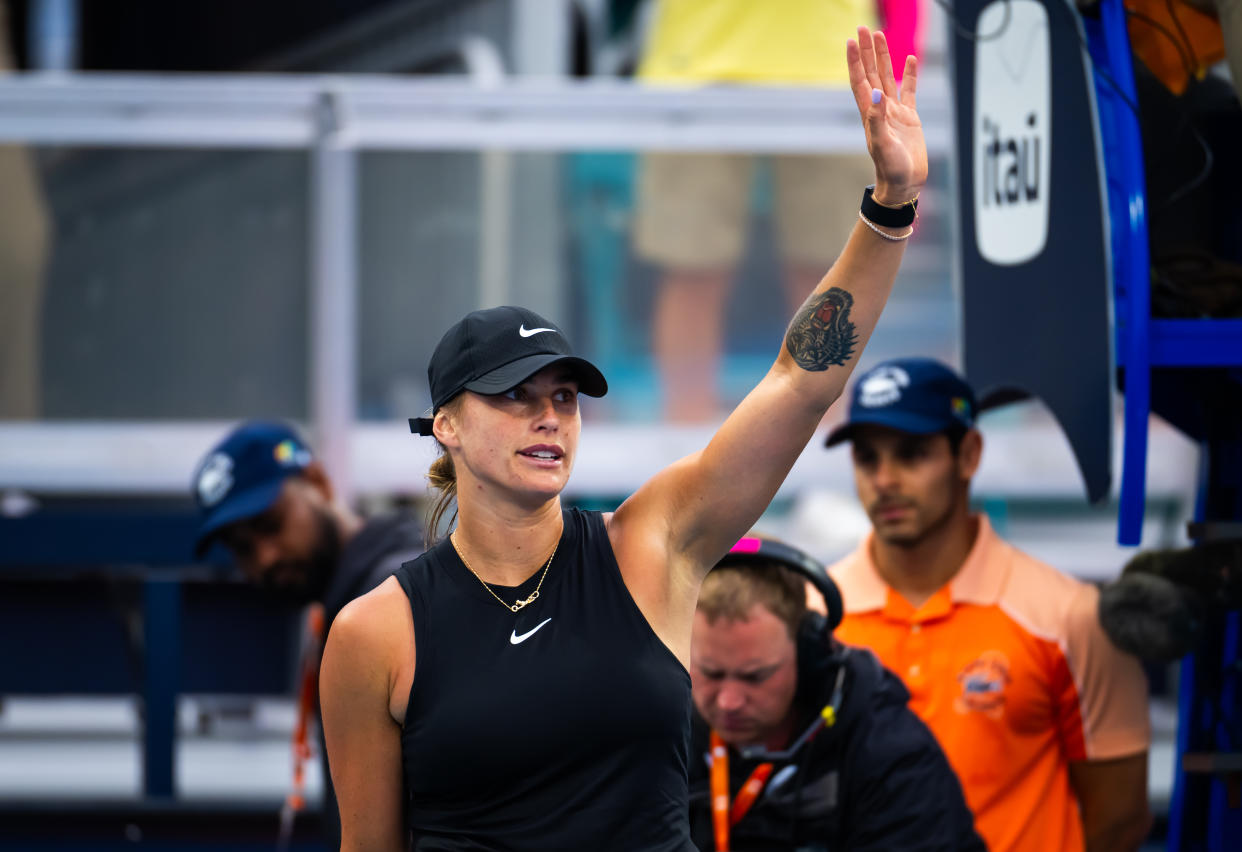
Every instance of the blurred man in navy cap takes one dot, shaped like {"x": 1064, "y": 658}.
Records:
{"x": 1043, "y": 719}
{"x": 262, "y": 495}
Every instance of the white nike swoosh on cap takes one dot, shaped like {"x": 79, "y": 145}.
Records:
{"x": 515, "y": 639}
{"x": 531, "y": 332}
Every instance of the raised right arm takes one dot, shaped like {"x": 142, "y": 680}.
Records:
{"x": 356, "y": 679}
{"x": 670, "y": 532}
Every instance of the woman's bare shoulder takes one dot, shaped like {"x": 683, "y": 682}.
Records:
{"x": 375, "y": 620}
{"x": 371, "y": 649}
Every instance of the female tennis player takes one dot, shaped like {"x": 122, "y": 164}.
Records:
{"x": 523, "y": 684}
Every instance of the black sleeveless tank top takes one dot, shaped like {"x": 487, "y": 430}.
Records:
{"x": 564, "y": 726}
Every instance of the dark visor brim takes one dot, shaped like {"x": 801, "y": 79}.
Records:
{"x": 590, "y": 380}
{"x": 901, "y": 421}
{"x": 237, "y": 507}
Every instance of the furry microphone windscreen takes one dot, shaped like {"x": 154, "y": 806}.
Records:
{"x": 1208, "y": 569}
{"x": 1151, "y": 617}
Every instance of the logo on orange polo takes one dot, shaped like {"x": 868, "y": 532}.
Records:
{"x": 983, "y": 683}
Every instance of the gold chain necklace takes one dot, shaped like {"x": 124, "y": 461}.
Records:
{"x": 516, "y": 605}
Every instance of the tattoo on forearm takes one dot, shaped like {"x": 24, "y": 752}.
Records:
{"x": 821, "y": 334}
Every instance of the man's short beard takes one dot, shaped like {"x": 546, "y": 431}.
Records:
{"x": 915, "y": 539}
{"x": 314, "y": 572}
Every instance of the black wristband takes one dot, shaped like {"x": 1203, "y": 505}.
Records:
{"x": 889, "y": 217}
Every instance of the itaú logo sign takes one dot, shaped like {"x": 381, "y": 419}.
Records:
{"x": 1012, "y": 131}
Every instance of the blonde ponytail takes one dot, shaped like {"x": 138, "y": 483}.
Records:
{"x": 443, "y": 477}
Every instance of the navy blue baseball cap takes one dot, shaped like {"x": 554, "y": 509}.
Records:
{"x": 492, "y": 350}
{"x": 920, "y": 396}
{"x": 242, "y": 475}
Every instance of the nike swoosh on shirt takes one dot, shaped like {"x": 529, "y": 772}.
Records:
{"x": 531, "y": 332}
{"x": 515, "y": 639}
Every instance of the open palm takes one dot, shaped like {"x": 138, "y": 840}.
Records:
{"x": 894, "y": 132}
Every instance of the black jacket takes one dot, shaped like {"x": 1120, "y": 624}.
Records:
{"x": 874, "y": 780}
{"x": 369, "y": 558}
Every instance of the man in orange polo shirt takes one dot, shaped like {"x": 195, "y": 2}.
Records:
{"x": 1043, "y": 719}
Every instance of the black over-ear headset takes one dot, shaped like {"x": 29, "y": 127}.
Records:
{"x": 753, "y": 549}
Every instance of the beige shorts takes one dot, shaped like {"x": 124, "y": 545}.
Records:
{"x": 692, "y": 208}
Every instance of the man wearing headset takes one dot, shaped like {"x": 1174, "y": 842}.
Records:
{"x": 799, "y": 742}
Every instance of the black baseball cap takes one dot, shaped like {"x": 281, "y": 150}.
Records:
{"x": 492, "y": 350}
{"x": 920, "y": 396}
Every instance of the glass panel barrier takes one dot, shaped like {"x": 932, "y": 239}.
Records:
{"x": 155, "y": 284}
{"x": 675, "y": 287}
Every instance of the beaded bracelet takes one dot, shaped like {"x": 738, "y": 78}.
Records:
{"x": 895, "y": 238}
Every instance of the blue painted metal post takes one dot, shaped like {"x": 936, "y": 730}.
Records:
{"x": 1188, "y": 723}
{"x": 1208, "y": 724}
{"x": 1224, "y": 821}
{"x": 1119, "y": 128}
{"x": 1186, "y": 690}
{"x": 162, "y": 657}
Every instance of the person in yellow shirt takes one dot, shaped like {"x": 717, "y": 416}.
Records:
{"x": 692, "y": 208}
